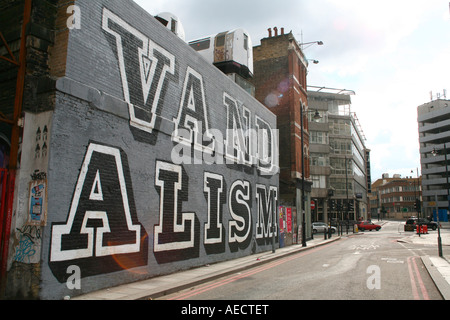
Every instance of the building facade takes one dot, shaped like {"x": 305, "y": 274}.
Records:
{"x": 434, "y": 139}
{"x": 133, "y": 162}
{"x": 340, "y": 161}
{"x": 280, "y": 84}
{"x": 396, "y": 197}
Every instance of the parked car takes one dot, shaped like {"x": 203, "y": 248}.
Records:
{"x": 322, "y": 227}
{"x": 368, "y": 225}
{"x": 411, "y": 224}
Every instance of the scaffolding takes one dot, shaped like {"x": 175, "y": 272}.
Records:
{"x": 8, "y": 176}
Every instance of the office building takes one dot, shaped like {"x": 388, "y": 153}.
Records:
{"x": 434, "y": 138}
{"x": 395, "y": 197}
{"x": 340, "y": 161}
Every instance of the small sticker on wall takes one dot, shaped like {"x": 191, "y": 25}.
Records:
{"x": 38, "y": 202}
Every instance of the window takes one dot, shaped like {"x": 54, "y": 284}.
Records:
{"x": 173, "y": 25}
{"x": 319, "y": 182}
{"x": 338, "y": 166}
{"x": 341, "y": 146}
{"x": 220, "y": 40}
{"x": 318, "y": 137}
{"x": 320, "y": 159}
{"x": 201, "y": 44}
{"x": 339, "y": 108}
{"x": 341, "y": 185}
{"x": 340, "y": 127}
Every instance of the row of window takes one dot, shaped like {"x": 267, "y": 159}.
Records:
{"x": 339, "y": 185}
{"x": 398, "y": 199}
{"x": 338, "y": 146}
{"x": 406, "y": 188}
{"x": 339, "y": 166}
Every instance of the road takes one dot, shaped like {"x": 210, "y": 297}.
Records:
{"x": 365, "y": 266}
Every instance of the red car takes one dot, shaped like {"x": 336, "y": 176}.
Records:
{"x": 367, "y": 225}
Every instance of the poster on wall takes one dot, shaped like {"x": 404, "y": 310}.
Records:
{"x": 289, "y": 220}
{"x": 33, "y": 179}
{"x": 37, "y": 203}
{"x": 281, "y": 218}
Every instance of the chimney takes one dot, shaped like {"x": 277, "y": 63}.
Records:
{"x": 276, "y": 31}
{"x": 282, "y": 31}
{"x": 270, "y": 32}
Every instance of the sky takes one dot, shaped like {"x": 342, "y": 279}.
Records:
{"x": 394, "y": 54}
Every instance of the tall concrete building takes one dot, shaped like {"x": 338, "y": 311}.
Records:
{"x": 434, "y": 138}
{"x": 280, "y": 84}
{"x": 340, "y": 161}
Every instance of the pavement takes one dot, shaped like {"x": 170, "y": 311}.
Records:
{"x": 438, "y": 268}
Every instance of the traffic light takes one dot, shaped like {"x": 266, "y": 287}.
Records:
{"x": 417, "y": 205}
{"x": 350, "y": 206}
{"x": 333, "y": 205}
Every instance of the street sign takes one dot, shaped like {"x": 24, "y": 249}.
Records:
{"x": 313, "y": 205}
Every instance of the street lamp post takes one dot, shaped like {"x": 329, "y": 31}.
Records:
{"x": 417, "y": 200}
{"x": 317, "y": 117}
{"x": 303, "y": 179}
{"x": 439, "y": 227}
{"x": 303, "y": 44}
{"x": 435, "y": 153}
{"x": 346, "y": 188}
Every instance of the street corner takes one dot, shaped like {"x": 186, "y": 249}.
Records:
{"x": 439, "y": 270}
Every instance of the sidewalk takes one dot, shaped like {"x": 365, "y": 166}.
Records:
{"x": 438, "y": 267}
{"x": 157, "y": 287}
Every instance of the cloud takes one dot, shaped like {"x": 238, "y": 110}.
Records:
{"x": 392, "y": 53}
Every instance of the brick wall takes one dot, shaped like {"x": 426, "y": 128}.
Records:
{"x": 133, "y": 190}
{"x": 58, "y": 53}
{"x": 280, "y": 82}
{"x": 10, "y": 26}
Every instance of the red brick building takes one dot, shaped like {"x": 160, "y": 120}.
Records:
{"x": 395, "y": 197}
{"x": 280, "y": 70}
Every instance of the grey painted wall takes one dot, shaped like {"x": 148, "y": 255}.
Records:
{"x": 122, "y": 204}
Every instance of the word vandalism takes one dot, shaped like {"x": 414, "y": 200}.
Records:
{"x": 147, "y": 69}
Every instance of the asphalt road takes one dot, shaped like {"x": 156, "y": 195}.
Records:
{"x": 365, "y": 266}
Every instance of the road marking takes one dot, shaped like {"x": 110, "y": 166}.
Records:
{"x": 413, "y": 282}
{"x": 413, "y": 273}
{"x": 365, "y": 247}
{"x": 244, "y": 274}
{"x": 392, "y": 260}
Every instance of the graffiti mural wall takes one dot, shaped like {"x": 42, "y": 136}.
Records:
{"x": 158, "y": 162}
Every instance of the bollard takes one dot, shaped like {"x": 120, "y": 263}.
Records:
{"x": 325, "y": 234}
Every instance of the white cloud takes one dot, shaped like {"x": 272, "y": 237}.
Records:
{"x": 392, "y": 53}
